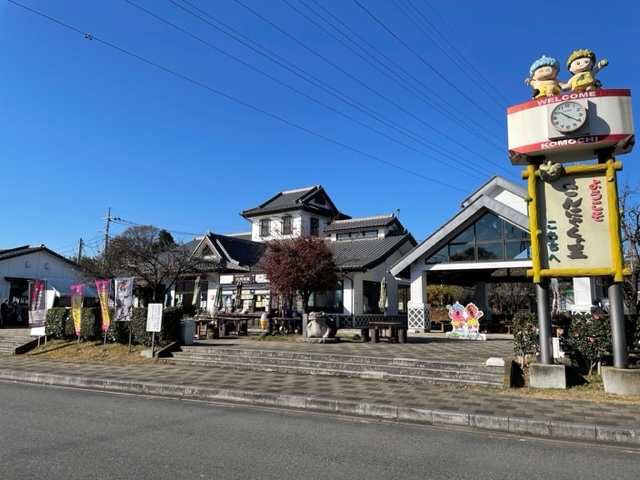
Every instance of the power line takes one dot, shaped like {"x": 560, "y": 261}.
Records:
{"x": 433, "y": 103}
{"x": 427, "y": 64}
{"x": 243, "y": 103}
{"x": 465, "y": 71}
{"x": 425, "y": 142}
{"x": 490, "y": 73}
{"x": 366, "y": 86}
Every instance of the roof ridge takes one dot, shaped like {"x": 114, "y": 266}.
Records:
{"x": 372, "y": 217}
{"x": 300, "y": 189}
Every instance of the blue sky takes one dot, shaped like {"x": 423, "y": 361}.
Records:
{"x": 169, "y": 121}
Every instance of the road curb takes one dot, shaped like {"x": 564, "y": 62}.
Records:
{"x": 516, "y": 425}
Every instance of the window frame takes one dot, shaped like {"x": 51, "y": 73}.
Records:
{"x": 287, "y": 225}
{"x": 265, "y": 227}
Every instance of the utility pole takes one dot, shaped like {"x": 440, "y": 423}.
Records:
{"x": 106, "y": 230}
{"x": 80, "y": 243}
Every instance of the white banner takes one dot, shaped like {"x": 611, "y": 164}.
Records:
{"x": 124, "y": 299}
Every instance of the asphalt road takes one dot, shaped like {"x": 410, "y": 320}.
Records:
{"x": 55, "y": 433}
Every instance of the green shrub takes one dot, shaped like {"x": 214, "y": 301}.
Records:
{"x": 525, "y": 335}
{"x": 56, "y": 321}
{"x": 589, "y": 336}
{"x": 170, "y": 330}
{"x": 632, "y": 330}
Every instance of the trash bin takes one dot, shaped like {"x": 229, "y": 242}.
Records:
{"x": 188, "y": 329}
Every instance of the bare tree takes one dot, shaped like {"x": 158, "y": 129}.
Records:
{"x": 300, "y": 266}
{"x": 146, "y": 253}
{"x": 630, "y": 229}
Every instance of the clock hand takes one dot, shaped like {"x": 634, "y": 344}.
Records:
{"x": 569, "y": 116}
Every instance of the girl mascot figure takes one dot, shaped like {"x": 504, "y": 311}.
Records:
{"x": 543, "y": 78}
{"x": 582, "y": 64}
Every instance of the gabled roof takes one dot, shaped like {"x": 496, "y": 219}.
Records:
{"x": 474, "y": 206}
{"x": 29, "y": 249}
{"x": 366, "y": 253}
{"x": 231, "y": 253}
{"x": 492, "y": 184}
{"x": 362, "y": 222}
{"x": 311, "y": 199}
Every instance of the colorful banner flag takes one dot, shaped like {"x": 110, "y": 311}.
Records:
{"x": 37, "y": 303}
{"x": 124, "y": 299}
{"x": 103, "y": 286}
{"x": 77, "y": 292}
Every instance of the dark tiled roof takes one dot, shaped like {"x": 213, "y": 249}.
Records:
{"x": 242, "y": 235}
{"x": 363, "y": 253}
{"x": 360, "y": 223}
{"x": 27, "y": 249}
{"x": 294, "y": 200}
{"x": 236, "y": 253}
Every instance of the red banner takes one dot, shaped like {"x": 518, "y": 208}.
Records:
{"x": 37, "y": 303}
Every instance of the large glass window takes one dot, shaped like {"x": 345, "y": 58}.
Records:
{"x": 490, "y": 238}
{"x": 329, "y": 302}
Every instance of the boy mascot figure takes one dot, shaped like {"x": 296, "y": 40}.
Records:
{"x": 582, "y": 64}
{"x": 543, "y": 78}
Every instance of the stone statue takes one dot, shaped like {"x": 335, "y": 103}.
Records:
{"x": 320, "y": 326}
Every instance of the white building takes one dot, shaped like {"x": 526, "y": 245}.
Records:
{"x": 364, "y": 249}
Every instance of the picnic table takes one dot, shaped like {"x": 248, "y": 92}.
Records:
{"x": 390, "y": 331}
{"x": 233, "y": 323}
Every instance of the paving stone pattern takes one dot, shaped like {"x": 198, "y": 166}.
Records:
{"x": 493, "y": 404}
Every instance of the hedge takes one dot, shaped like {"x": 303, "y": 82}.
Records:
{"x": 59, "y": 324}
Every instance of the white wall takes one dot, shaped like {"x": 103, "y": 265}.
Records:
{"x": 36, "y": 265}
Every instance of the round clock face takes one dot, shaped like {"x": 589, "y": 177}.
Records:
{"x": 568, "y": 116}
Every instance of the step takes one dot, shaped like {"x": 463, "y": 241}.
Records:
{"x": 339, "y": 358}
{"x": 8, "y": 344}
{"x": 383, "y": 368}
{"x": 452, "y": 370}
{"x": 370, "y": 374}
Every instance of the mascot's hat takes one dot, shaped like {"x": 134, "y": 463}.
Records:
{"x": 543, "y": 62}
{"x": 581, "y": 54}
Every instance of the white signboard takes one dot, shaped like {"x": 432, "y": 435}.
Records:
{"x": 574, "y": 219}
{"x": 154, "y": 317}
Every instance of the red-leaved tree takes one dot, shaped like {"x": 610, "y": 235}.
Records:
{"x": 300, "y": 266}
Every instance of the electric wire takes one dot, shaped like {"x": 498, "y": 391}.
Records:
{"x": 433, "y": 103}
{"x": 425, "y": 142}
{"x": 366, "y": 86}
{"x": 428, "y": 64}
{"x": 464, "y": 71}
{"x": 331, "y": 91}
{"x": 238, "y": 101}
{"x": 482, "y": 64}
{"x": 386, "y": 121}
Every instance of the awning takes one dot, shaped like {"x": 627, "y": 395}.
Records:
{"x": 63, "y": 287}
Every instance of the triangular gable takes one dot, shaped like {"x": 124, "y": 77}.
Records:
{"x": 476, "y": 205}
{"x": 313, "y": 199}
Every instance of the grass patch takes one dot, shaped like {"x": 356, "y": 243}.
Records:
{"x": 275, "y": 337}
{"x": 90, "y": 352}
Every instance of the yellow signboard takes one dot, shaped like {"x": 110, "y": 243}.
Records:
{"x": 575, "y": 222}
